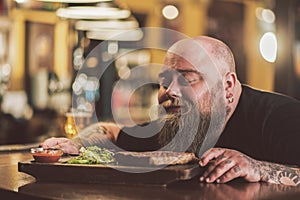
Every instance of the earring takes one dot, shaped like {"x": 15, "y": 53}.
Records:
{"x": 230, "y": 98}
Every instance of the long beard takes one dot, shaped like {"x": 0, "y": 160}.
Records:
{"x": 184, "y": 131}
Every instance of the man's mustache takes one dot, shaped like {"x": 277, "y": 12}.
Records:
{"x": 185, "y": 106}
{"x": 172, "y": 103}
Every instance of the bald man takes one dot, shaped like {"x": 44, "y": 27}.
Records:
{"x": 236, "y": 130}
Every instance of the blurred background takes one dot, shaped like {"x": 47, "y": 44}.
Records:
{"x": 48, "y": 66}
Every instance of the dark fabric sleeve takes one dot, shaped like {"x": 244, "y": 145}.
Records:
{"x": 139, "y": 138}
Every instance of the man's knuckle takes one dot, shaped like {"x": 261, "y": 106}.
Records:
{"x": 219, "y": 170}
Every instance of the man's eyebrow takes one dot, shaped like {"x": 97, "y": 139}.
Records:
{"x": 181, "y": 71}
{"x": 188, "y": 70}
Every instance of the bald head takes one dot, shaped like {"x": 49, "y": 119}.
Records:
{"x": 204, "y": 49}
{"x": 218, "y": 51}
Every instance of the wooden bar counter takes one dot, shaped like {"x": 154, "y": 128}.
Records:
{"x": 19, "y": 185}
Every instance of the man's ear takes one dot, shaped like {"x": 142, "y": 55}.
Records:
{"x": 229, "y": 83}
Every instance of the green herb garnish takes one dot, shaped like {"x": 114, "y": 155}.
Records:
{"x": 93, "y": 155}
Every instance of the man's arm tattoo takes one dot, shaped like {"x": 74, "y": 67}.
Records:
{"x": 280, "y": 174}
{"x": 96, "y": 134}
{"x": 95, "y": 128}
{"x": 253, "y": 164}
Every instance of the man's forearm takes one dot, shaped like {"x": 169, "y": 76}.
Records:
{"x": 279, "y": 174}
{"x": 98, "y": 134}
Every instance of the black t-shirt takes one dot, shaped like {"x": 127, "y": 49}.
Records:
{"x": 264, "y": 126}
{"x": 139, "y": 138}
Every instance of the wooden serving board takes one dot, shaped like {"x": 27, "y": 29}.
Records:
{"x": 83, "y": 173}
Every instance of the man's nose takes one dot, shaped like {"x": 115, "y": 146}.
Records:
{"x": 173, "y": 90}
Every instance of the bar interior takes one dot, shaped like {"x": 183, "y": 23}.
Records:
{"x": 66, "y": 64}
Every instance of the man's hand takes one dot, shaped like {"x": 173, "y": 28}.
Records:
{"x": 67, "y": 145}
{"x": 224, "y": 165}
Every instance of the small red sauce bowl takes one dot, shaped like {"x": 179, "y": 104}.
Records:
{"x": 46, "y": 155}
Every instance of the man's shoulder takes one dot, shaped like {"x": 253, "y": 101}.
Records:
{"x": 268, "y": 96}
{"x": 268, "y": 102}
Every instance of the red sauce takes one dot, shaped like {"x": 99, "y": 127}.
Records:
{"x": 47, "y": 156}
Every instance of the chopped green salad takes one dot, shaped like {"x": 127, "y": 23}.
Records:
{"x": 93, "y": 155}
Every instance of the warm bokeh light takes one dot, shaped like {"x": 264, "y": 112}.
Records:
{"x": 265, "y": 15}
{"x": 268, "y": 46}
{"x": 258, "y": 13}
{"x": 21, "y": 1}
{"x": 170, "y": 12}
{"x": 124, "y": 72}
{"x": 113, "y": 47}
{"x": 268, "y": 16}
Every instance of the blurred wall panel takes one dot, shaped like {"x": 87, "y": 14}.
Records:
{"x": 226, "y": 22}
